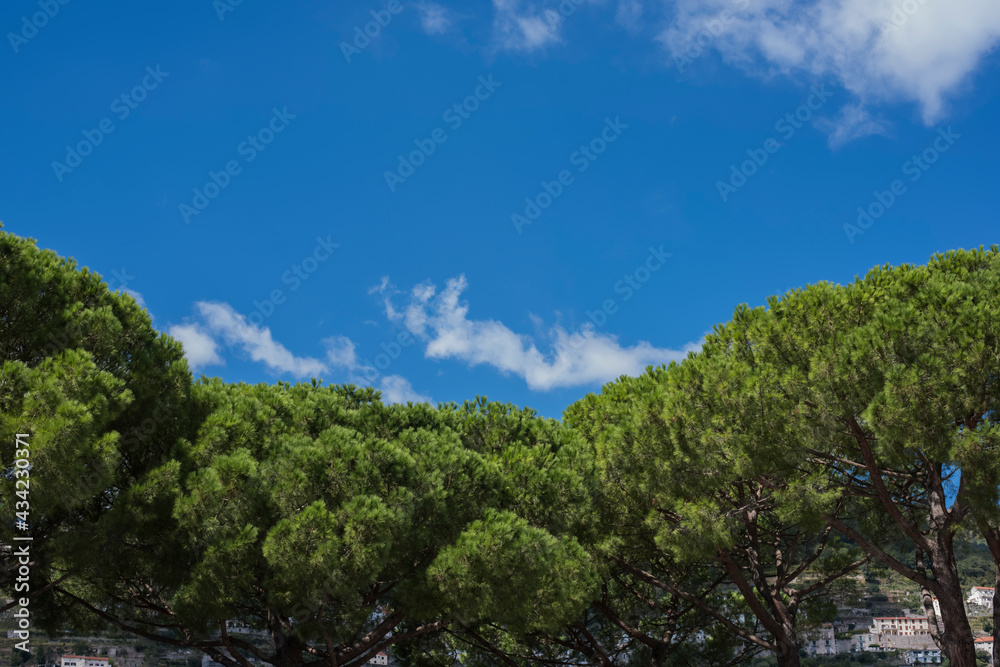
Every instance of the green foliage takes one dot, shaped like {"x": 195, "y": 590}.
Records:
{"x": 475, "y": 575}
{"x": 101, "y": 395}
{"x": 351, "y": 518}
{"x": 695, "y": 501}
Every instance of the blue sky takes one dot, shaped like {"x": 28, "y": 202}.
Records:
{"x": 512, "y": 199}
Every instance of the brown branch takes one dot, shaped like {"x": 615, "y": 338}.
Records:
{"x": 700, "y": 604}
{"x": 880, "y": 555}
{"x": 875, "y": 474}
{"x": 803, "y": 592}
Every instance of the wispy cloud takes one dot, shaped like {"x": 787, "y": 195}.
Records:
{"x": 220, "y": 321}
{"x": 342, "y": 353}
{"x": 881, "y": 50}
{"x": 386, "y": 291}
{"x": 397, "y": 389}
{"x": 434, "y": 18}
{"x": 520, "y": 28}
{"x": 584, "y": 357}
{"x": 629, "y": 14}
{"x": 854, "y": 122}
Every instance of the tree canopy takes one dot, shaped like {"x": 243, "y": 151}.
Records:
{"x": 101, "y": 393}
{"x": 341, "y": 526}
{"x": 699, "y": 514}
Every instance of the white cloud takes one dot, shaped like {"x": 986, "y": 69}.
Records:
{"x": 342, "y": 352}
{"x": 434, "y": 18}
{"x": 854, "y": 122}
{"x": 386, "y": 291}
{"x": 222, "y": 320}
{"x": 574, "y": 358}
{"x": 629, "y": 14}
{"x": 527, "y": 29}
{"x": 397, "y": 389}
{"x": 881, "y": 50}
{"x": 199, "y": 347}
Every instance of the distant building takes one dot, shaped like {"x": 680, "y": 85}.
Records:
{"x": 906, "y": 626}
{"x": 824, "y": 642}
{"x": 208, "y": 662}
{"x": 864, "y": 641}
{"x": 242, "y": 628}
{"x": 985, "y": 644}
{"x": 379, "y": 659}
{"x": 84, "y": 661}
{"x": 923, "y": 656}
{"x": 981, "y": 596}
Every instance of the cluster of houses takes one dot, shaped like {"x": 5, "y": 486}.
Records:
{"x": 908, "y": 634}
{"x": 84, "y": 661}
{"x": 381, "y": 659}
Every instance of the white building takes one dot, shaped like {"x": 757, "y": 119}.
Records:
{"x": 981, "y": 596}
{"x": 923, "y": 656}
{"x": 379, "y": 658}
{"x": 865, "y": 641}
{"x": 824, "y": 642}
{"x": 84, "y": 661}
{"x": 821, "y": 642}
{"x": 900, "y": 625}
{"x": 985, "y": 644}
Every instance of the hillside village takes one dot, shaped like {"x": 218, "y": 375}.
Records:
{"x": 909, "y": 634}
{"x": 881, "y": 632}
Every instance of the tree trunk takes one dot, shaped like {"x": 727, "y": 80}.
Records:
{"x": 287, "y": 646}
{"x": 992, "y": 536}
{"x": 788, "y": 655}
{"x": 996, "y": 618}
{"x": 958, "y": 644}
{"x": 659, "y": 656}
{"x": 788, "y": 646}
{"x": 287, "y": 651}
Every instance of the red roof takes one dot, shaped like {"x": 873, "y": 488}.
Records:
{"x": 900, "y": 618}
{"x": 984, "y": 639}
{"x": 985, "y": 588}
